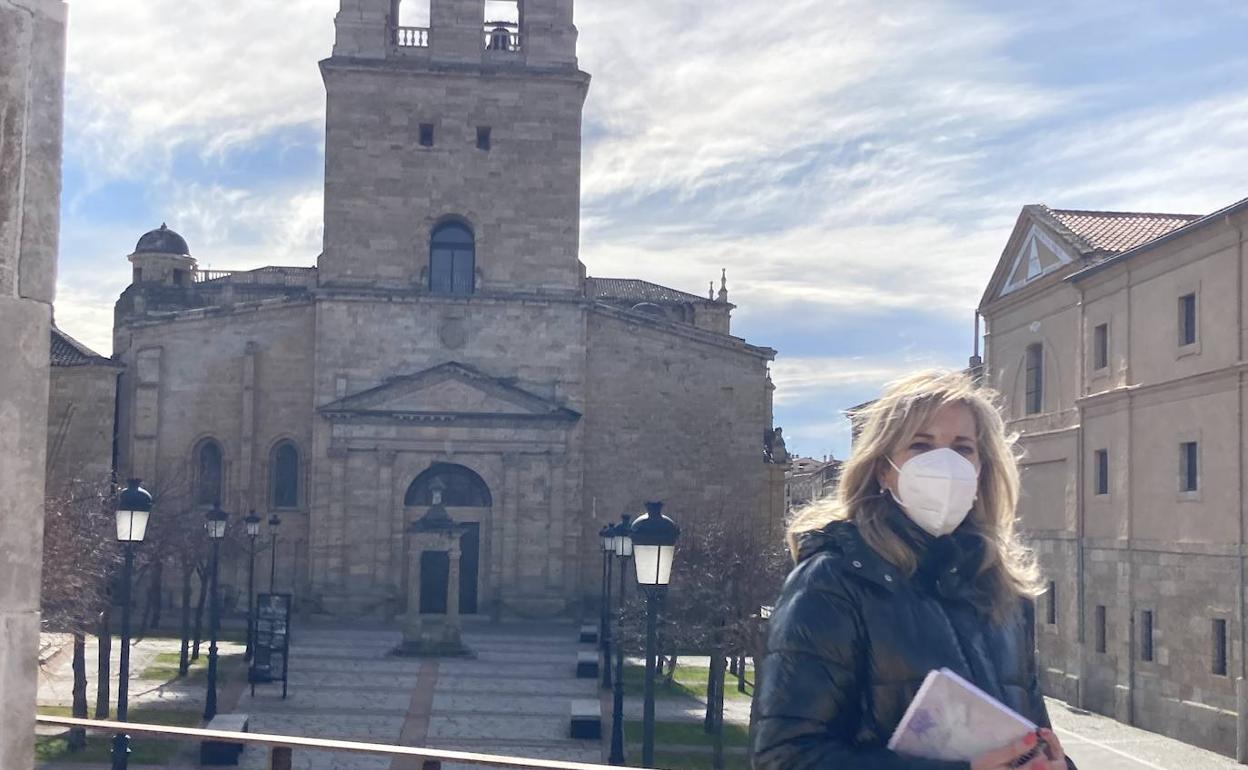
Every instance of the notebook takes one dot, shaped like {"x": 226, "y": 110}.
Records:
{"x": 952, "y": 719}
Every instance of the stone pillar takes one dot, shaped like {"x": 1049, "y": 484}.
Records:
{"x": 32, "y": 67}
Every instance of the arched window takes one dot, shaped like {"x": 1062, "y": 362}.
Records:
{"x": 208, "y": 460}
{"x": 452, "y": 259}
{"x": 463, "y": 487}
{"x": 1034, "y": 396}
{"x": 285, "y": 475}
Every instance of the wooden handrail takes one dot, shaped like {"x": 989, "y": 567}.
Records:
{"x": 318, "y": 744}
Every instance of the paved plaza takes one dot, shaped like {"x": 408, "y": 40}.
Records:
{"x": 513, "y": 698}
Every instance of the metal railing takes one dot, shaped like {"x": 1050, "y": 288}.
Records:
{"x": 281, "y": 747}
{"x": 411, "y": 37}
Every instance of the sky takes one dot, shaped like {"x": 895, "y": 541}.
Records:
{"x": 855, "y": 165}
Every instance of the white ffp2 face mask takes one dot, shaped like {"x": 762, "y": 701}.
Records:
{"x": 937, "y": 489}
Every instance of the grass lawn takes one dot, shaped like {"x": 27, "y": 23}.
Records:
{"x": 689, "y": 680}
{"x": 143, "y": 751}
{"x": 164, "y": 667}
{"x": 687, "y": 734}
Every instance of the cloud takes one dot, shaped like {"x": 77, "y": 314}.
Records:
{"x": 855, "y": 166}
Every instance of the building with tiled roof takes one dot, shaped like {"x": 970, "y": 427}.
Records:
{"x": 1117, "y": 340}
{"x": 67, "y": 351}
{"x": 1112, "y": 232}
{"x": 82, "y": 399}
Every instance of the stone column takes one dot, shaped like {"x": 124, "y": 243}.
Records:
{"x": 32, "y": 70}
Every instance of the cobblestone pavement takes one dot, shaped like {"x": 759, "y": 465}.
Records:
{"x": 513, "y": 697}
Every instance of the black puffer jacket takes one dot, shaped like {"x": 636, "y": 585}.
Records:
{"x": 851, "y": 639}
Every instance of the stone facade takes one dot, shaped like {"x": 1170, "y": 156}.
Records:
{"x": 549, "y": 401}
{"x": 82, "y": 402}
{"x": 1117, "y": 384}
{"x": 32, "y": 67}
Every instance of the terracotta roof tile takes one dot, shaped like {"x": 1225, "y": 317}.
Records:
{"x": 1118, "y": 231}
{"x": 67, "y": 351}
{"x": 635, "y": 290}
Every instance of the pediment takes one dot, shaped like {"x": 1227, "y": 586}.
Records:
{"x": 447, "y": 392}
{"x": 1039, "y": 255}
{"x": 1033, "y": 252}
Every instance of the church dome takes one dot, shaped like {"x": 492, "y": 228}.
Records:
{"x": 162, "y": 241}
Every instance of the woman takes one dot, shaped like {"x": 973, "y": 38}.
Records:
{"x": 914, "y": 566}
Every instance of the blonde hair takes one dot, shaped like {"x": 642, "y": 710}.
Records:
{"x": 1007, "y": 571}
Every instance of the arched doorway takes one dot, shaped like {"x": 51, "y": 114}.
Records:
{"x": 462, "y": 488}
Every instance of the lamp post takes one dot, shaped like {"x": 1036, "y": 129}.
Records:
{"x": 215, "y": 524}
{"x": 654, "y": 546}
{"x": 134, "y": 505}
{"x": 623, "y": 552}
{"x": 274, "y": 522}
{"x": 607, "y": 539}
{"x": 253, "y": 529}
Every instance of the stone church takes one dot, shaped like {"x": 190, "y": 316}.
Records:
{"x": 448, "y": 337}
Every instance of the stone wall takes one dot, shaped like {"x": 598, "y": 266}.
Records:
{"x": 81, "y": 408}
{"x": 533, "y": 471}
{"x": 384, "y": 192}
{"x": 241, "y": 376}
{"x": 32, "y": 65}
{"x": 673, "y": 416}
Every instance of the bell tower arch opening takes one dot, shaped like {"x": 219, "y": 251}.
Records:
{"x": 502, "y": 25}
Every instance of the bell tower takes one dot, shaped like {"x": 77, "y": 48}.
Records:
{"x": 452, "y": 150}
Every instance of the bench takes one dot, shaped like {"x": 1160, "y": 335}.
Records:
{"x": 223, "y": 752}
{"x": 587, "y": 720}
{"x": 589, "y": 633}
{"x": 587, "y": 665}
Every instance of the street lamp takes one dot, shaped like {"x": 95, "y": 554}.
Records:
{"x": 253, "y": 529}
{"x": 654, "y": 546}
{"x": 606, "y": 539}
{"x": 622, "y": 544}
{"x": 215, "y": 522}
{"x": 134, "y": 504}
{"x": 274, "y": 522}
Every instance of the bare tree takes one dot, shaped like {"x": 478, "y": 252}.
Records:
{"x": 79, "y": 555}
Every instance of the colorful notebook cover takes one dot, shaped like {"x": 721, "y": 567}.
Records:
{"x": 952, "y": 719}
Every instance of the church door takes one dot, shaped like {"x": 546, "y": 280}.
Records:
{"x": 435, "y": 573}
{"x": 469, "y": 566}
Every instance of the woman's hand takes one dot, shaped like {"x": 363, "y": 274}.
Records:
{"x": 1050, "y": 756}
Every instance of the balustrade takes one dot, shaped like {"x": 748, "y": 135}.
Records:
{"x": 411, "y": 37}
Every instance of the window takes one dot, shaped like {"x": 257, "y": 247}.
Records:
{"x": 1052, "y": 607}
{"x": 1102, "y": 471}
{"x": 1189, "y": 469}
{"x": 426, "y": 134}
{"x": 1100, "y": 628}
{"x": 179, "y": 277}
{"x": 285, "y": 476}
{"x": 1187, "y": 319}
{"x": 452, "y": 259}
{"x": 1100, "y": 346}
{"x": 137, "y": 276}
{"x": 1146, "y": 635}
{"x": 1219, "y": 646}
{"x": 208, "y": 473}
{"x": 483, "y": 137}
{"x": 1035, "y": 378}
